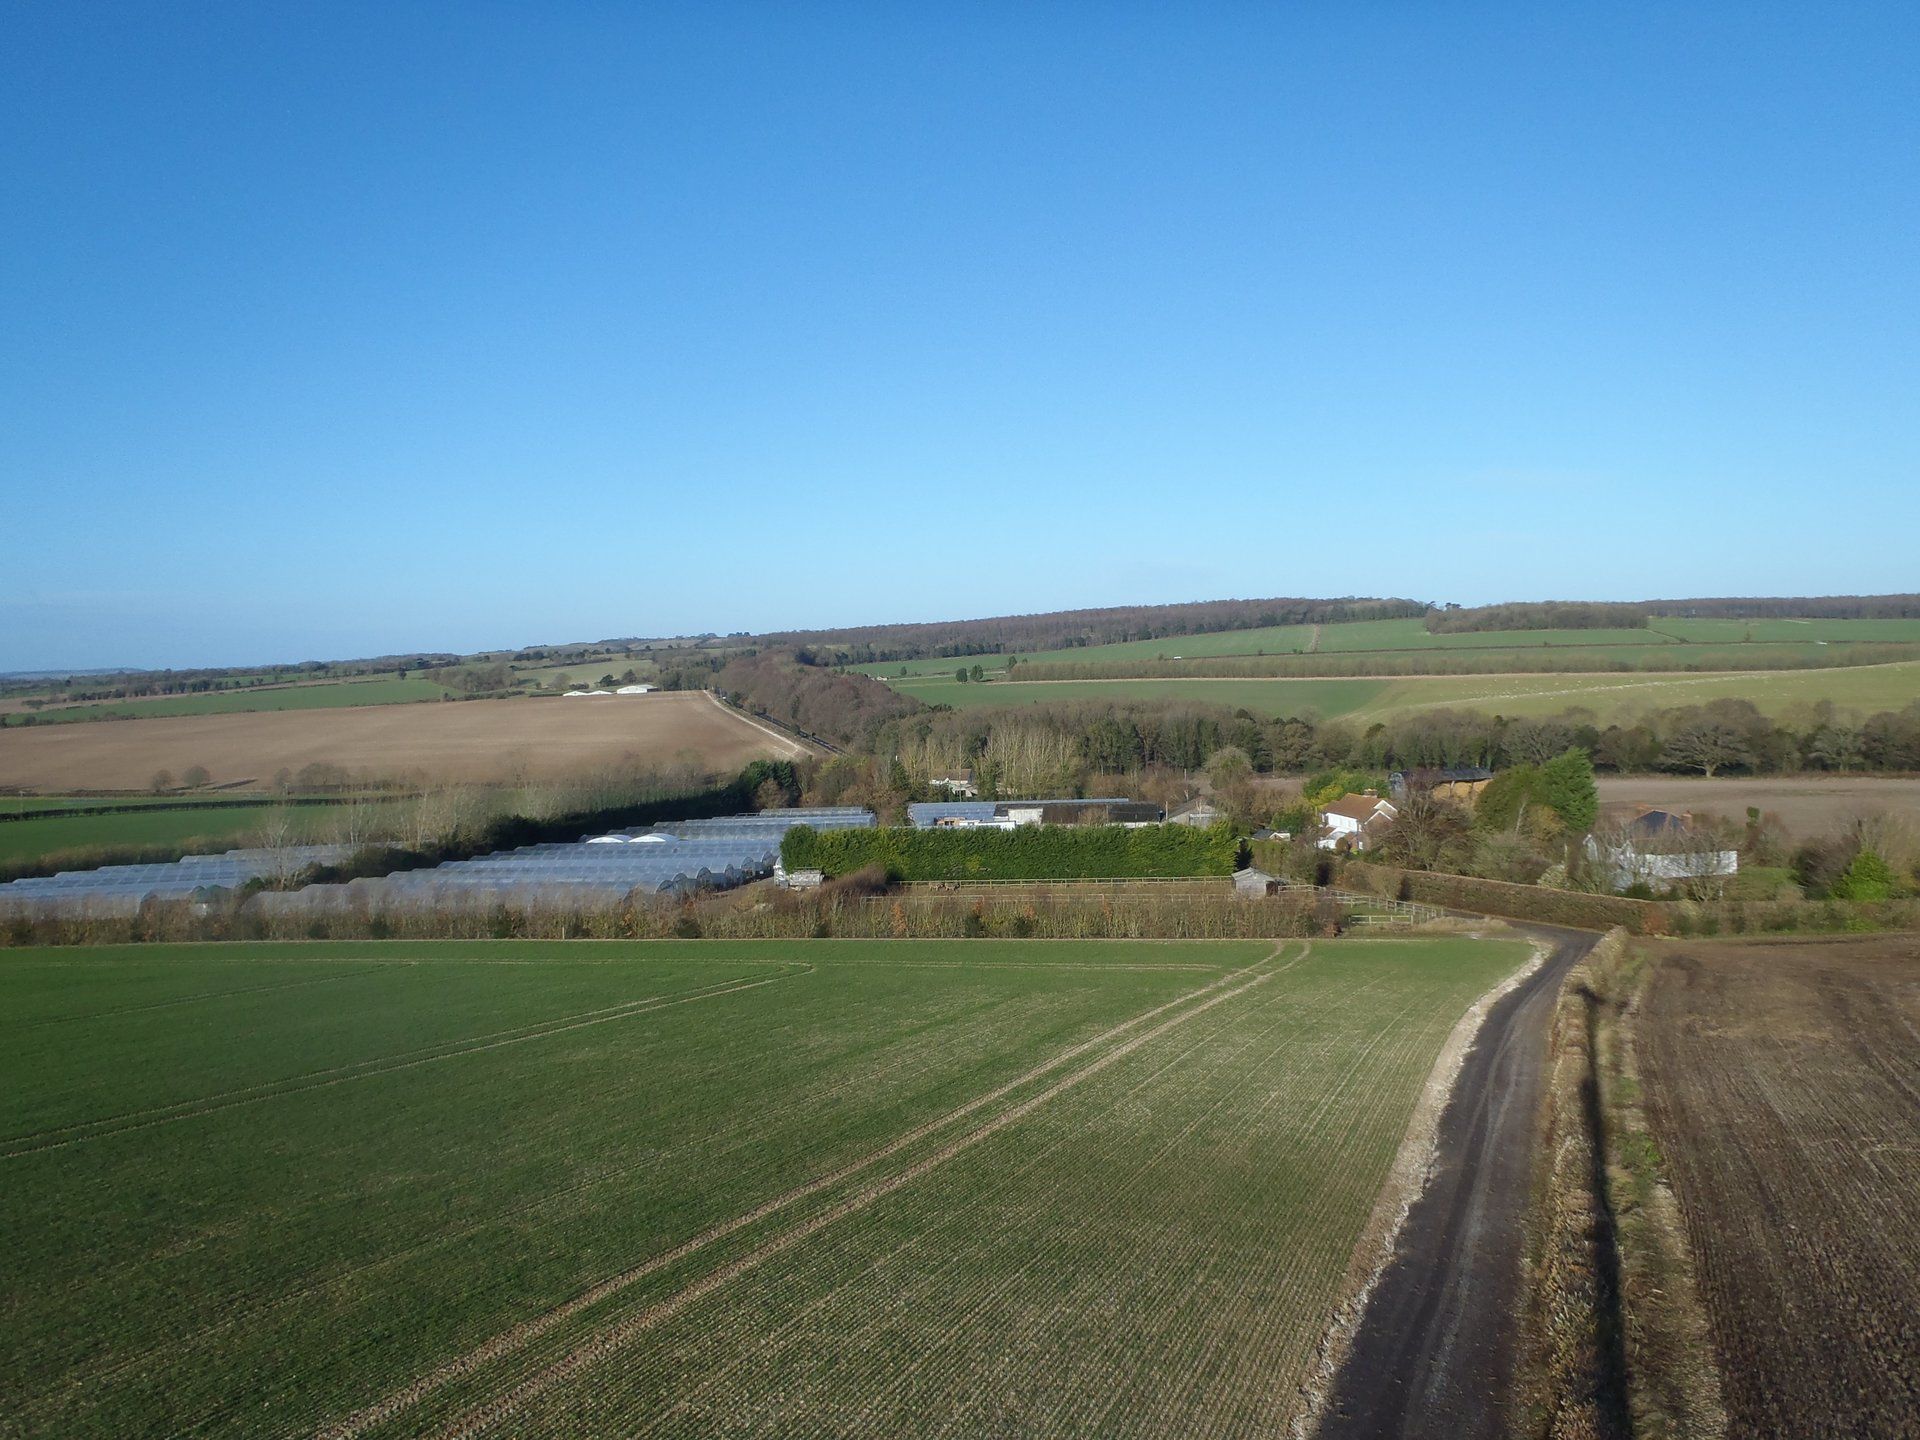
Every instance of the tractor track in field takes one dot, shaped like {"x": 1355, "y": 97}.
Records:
{"x": 84, "y": 1131}
{"x": 606, "y": 1342}
{"x": 519, "y": 1336}
{"x": 1434, "y": 1352}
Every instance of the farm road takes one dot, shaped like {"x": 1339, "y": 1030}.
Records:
{"x": 1434, "y": 1354}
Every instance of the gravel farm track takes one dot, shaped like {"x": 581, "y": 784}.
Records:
{"x": 1434, "y": 1354}
{"x": 439, "y": 741}
{"x": 1783, "y": 1083}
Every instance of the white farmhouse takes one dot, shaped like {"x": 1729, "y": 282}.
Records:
{"x": 1354, "y": 821}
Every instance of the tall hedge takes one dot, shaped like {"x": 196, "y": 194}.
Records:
{"x": 1499, "y": 897}
{"x": 1031, "y": 852}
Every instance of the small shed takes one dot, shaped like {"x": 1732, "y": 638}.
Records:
{"x": 1254, "y": 884}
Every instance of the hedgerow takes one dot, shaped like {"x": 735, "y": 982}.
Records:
{"x": 1032, "y": 852}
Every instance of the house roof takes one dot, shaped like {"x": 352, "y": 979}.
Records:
{"x": 1660, "y": 822}
{"x": 1358, "y": 807}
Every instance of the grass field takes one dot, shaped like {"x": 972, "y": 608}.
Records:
{"x": 1721, "y": 643}
{"x": 1864, "y": 687}
{"x": 319, "y": 696}
{"x": 471, "y": 740}
{"x": 815, "y": 1188}
{"x": 224, "y": 826}
{"x": 1832, "y": 632}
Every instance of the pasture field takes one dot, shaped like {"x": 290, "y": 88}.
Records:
{"x": 320, "y": 695}
{"x": 220, "y": 827}
{"x": 1788, "y": 631}
{"x": 1864, "y": 688}
{"x": 1781, "y": 1082}
{"x": 1705, "y": 644}
{"x": 471, "y": 740}
{"x": 819, "y": 1187}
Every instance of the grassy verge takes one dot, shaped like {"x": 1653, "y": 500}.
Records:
{"x": 1620, "y": 1342}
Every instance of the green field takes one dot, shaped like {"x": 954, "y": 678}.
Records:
{"x": 320, "y": 696}
{"x": 695, "y": 1189}
{"x": 14, "y": 803}
{"x": 1864, "y": 688}
{"x": 1832, "y": 632}
{"x": 1804, "y": 641}
{"x": 220, "y": 828}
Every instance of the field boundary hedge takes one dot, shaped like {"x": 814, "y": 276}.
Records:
{"x": 1548, "y": 906}
{"x": 1031, "y": 852}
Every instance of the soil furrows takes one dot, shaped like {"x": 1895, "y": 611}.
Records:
{"x": 1781, "y": 1085}
{"x": 610, "y": 1339}
{"x": 510, "y": 1342}
{"x": 61, "y": 1137}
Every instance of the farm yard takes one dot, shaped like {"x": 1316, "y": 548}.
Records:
{"x": 475, "y": 740}
{"x": 819, "y": 1187}
{"x": 1784, "y": 1088}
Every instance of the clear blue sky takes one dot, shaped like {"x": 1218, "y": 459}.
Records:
{"x": 330, "y": 330}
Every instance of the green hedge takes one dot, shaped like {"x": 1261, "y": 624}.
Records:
{"x": 1032, "y": 852}
{"x": 1499, "y": 897}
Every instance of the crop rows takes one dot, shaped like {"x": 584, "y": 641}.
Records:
{"x": 894, "y": 1190}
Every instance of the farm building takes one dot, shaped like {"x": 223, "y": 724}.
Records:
{"x": 1450, "y": 782}
{"x": 1253, "y": 884}
{"x": 1353, "y": 822}
{"x": 634, "y": 690}
{"x": 956, "y": 782}
{"x": 1197, "y": 813}
{"x": 1009, "y": 814}
{"x": 1659, "y": 849}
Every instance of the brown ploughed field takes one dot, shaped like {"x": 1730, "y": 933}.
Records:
{"x": 1783, "y": 1081}
{"x": 1806, "y": 804}
{"x": 472, "y": 740}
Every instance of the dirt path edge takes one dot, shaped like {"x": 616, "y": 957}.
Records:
{"x": 1413, "y": 1166}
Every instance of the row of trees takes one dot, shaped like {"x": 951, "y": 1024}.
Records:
{"x": 1537, "y": 615}
{"x": 1069, "y": 629}
{"x": 1721, "y": 737}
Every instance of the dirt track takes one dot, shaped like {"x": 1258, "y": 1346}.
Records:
{"x": 473, "y": 740}
{"x": 1434, "y": 1354}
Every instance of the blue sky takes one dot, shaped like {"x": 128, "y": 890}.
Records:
{"x": 333, "y": 330}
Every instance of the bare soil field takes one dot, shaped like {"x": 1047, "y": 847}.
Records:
{"x": 1783, "y": 1083}
{"x": 458, "y": 741}
{"x": 1807, "y": 804}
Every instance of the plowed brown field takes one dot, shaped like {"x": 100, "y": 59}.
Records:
{"x": 1784, "y": 1088}
{"x": 1808, "y": 804}
{"x": 475, "y": 740}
